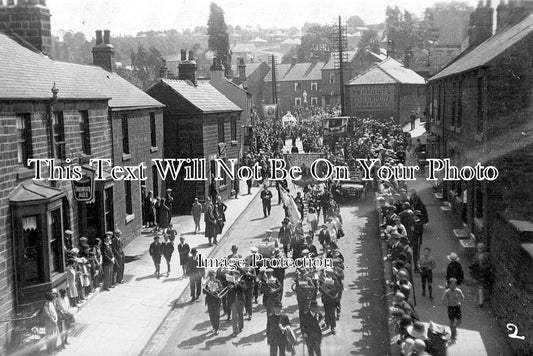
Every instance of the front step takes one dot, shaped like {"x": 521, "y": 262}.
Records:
{"x": 461, "y": 234}
{"x": 438, "y": 196}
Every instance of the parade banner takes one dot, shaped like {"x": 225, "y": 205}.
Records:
{"x": 302, "y": 160}
{"x": 288, "y": 200}
{"x": 269, "y": 111}
{"x": 335, "y": 125}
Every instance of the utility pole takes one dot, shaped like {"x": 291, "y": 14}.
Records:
{"x": 274, "y": 84}
{"x": 340, "y": 41}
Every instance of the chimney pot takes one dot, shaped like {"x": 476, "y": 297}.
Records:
{"x": 191, "y": 55}
{"x": 294, "y": 60}
{"x": 98, "y": 37}
{"x": 183, "y": 55}
{"x": 42, "y": 2}
{"x": 489, "y": 3}
{"x": 106, "y": 36}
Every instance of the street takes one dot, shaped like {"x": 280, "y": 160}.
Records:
{"x": 362, "y": 329}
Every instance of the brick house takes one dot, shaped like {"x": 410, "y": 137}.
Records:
{"x": 298, "y": 85}
{"x": 387, "y": 89}
{"x": 61, "y": 111}
{"x": 199, "y": 122}
{"x": 480, "y": 111}
{"x": 251, "y": 77}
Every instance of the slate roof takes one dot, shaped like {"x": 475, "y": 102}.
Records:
{"x": 30, "y": 191}
{"x": 250, "y": 68}
{"x": 204, "y": 96}
{"x": 488, "y": 50}
{"x": 331, "y": 62}
{"x": 389, "y": 71}
{"x": 27, "y": 75}
{"x": 297, "y": 72}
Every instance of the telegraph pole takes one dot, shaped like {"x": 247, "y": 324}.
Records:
{"x": 340, "y": 41}
{"x": 274, "y": 85}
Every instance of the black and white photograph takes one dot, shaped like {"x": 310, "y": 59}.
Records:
{"x": 252, "y": 177}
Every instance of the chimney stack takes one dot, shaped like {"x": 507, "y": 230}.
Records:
{"x": 30, "y": 20}
{"x": 408, "y": 55}
{"x": 187, "y": 67}
{"x": 98, "y": 37}
{"x": 163, "y": 71}
{"x": 242, "y": 70}
{"x": 103, "y": 52}
{"x": 294, "y": 60}
{"x": 217, "y": 72}
{"x": 481, "y": 24}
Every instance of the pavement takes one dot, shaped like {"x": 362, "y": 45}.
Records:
{"x": 479, "y": 334}
{"x": 360, "y": 330}
{"x": 122, "y": 321}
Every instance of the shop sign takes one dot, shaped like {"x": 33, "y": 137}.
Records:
{"x": 83, "y": 189}
{"x": 373, "y": 97}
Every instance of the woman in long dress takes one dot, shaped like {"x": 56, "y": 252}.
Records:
{"x": 210, "y": 217}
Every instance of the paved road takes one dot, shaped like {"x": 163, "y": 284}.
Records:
{"x": 362, "y": 329}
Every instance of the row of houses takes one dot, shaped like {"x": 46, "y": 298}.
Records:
{"x": 70, "y": 113}
{"x": 480, "y": 111}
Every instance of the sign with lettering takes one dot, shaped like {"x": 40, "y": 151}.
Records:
{"x": 373, "y": 97}
{"x": 83, "y": 189}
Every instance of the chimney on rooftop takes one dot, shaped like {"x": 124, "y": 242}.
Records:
{"x": 294, "y": 60}
{"x": 103, "y": 51}
{"x": 187, "y": 67}
{"x": 242, "y": 70}
{"x": 481, "y": 23}
{"x": 163, "y": 71}
{"x": 216, "y": 69}
{"x": 28, "y": 20}
{"x": 512, "y": 13}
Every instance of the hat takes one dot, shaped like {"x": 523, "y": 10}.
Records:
{"x": 399, "y": 297}
{"x": 419, "y": 345}
{"x": 156, "y": 236}
{"x": 83, "y": 241}
{"x": 452, "y": 257}
{"x": 285, "y": 221}
{"x": 417, "y": 330}
{"x": 68, "y": 232}
{"x": 234, "y": 248}
{"x": 268, "y": 231}
{"x": 313, "y": 304}
{"x": 75, "y": 250}
{"x": 169, "y": 190}
{"x": 54, "y": 291}
{"x": 254, "y": 249}
{"x": 305, "y": 251}
{"x": 269, "y": 270}
{"x": 110, "y": 233}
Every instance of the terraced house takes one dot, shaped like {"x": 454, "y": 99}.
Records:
{"x": 68, "y": 113}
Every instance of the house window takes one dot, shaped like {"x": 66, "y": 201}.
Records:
{"x": 454, "y": 95}
{"x": 314, "y": 86}
{"x": 24, "y": 145}
{"x": 32, "y": 250}
{"x": 331, "y": 78}
{"x": 233, "y": 128}
{"x": 59, "y": 136}
{"x": 125, "y": 135}
{"x": 153, "y": 134}
{"x": 297, "y": 101}
{"x": 56, "y": 241}
{"x": 84, "y": 132}
{"x": 296, "y": 86}
{"x": 108, "y": 209}
{"x": 479, "y": 125}
{"x": 127, "y": 188}
{"x": 221, "y": 137}
{"x": 314, "y": 101}
{"x": 459, "y": 122}
{"x": 155, "y": 181}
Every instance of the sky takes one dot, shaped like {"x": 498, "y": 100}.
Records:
{"x": 127, "y": 17}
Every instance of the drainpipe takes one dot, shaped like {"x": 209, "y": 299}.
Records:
{"x": 51, "y": 104}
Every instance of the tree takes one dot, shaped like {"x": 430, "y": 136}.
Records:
{"x": 369, "y": 36}
{"x": 353, "y": 22}
{"x": 218, "y": 41}
{"x": 317, "y": 41}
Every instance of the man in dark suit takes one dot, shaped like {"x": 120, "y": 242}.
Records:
{"x": 236, "y": 300}
{"x": 266, "y": 198}
{"x": 324, "y": 237}
{"x": 108, "y": 260}
{"x": 156, "y": 250}
{"x": 285, "y": 236}
{"x": 195, "y": 275}
{"x": 275, "y": 337}
{"x": 169, "y": 200}
{"x": 311, "y": 331}
{"x": 120, "y": 257}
